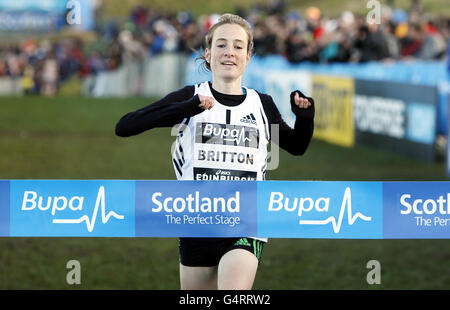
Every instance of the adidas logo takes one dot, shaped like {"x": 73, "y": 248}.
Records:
{"x": 243, "y": 241}
{"x": 250, "y": 118}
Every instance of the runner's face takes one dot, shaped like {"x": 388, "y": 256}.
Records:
{"x": 228, "y": 56}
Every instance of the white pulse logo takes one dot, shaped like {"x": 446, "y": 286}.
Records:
{"x": 227, "y": 134}
{"x": 241, "y": 138}
{"x": 90, "y": 223}
{"x": 306, "y": 204}
{"x": 346, "y": 202}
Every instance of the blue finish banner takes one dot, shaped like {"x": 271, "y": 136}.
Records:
{"x": 4, "y": 208}
{"x": 266, "y": 209}
{"x": 416, "y": 210}
{"x": 195, "y": 209}
{"x": 72, "y": 208}
{"x": 347, "y": 210}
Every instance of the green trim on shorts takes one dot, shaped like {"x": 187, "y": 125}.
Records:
{"x": 257, "y": 248}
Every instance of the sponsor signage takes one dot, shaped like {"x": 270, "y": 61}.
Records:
{"x": 11, "y": 21}
{"x": 380, "y": 116}
{"x": 72, "y": 208}
{"x": 416, "y": 210}
{"x": 224, "y": 134}
{"x": 333, "y": 121}
{"x": 396, "y": 116}
{"x": 333, "y": 210}
{"x": 226, "y": 152}
{"x": 195, "y": 209}
{"x": 271, "y": 209}
{"x": 44, "y": 15}
{"x": 36, "y": 15}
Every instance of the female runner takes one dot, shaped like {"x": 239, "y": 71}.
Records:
{"x": 224, "y": 130}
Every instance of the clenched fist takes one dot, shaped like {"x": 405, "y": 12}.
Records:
{"x": 301, "y": 102}
{"x": 301, "y": 105}
{"x": 206, "y": 102}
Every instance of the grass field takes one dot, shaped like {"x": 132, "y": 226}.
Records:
{"x": 73, "y": 138}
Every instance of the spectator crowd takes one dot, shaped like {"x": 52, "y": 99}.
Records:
{"x": 307, "y": 36}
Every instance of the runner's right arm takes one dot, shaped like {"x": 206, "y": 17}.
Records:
{"x": 167, "y": 112}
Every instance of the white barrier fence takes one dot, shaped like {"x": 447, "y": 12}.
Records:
{"x": 10, "y": 86}
{"x": 154, "y": 76}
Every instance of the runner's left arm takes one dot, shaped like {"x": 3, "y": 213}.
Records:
{"x": 294, "y": 140}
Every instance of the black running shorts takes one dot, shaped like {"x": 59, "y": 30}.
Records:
{"x": 207, "y": 252}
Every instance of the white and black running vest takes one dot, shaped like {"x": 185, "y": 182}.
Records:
{"x": 223, "y": 143}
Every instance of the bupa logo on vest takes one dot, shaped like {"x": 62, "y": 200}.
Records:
{"x": 75, "y": 208}
{"x": 224, "y": 134}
